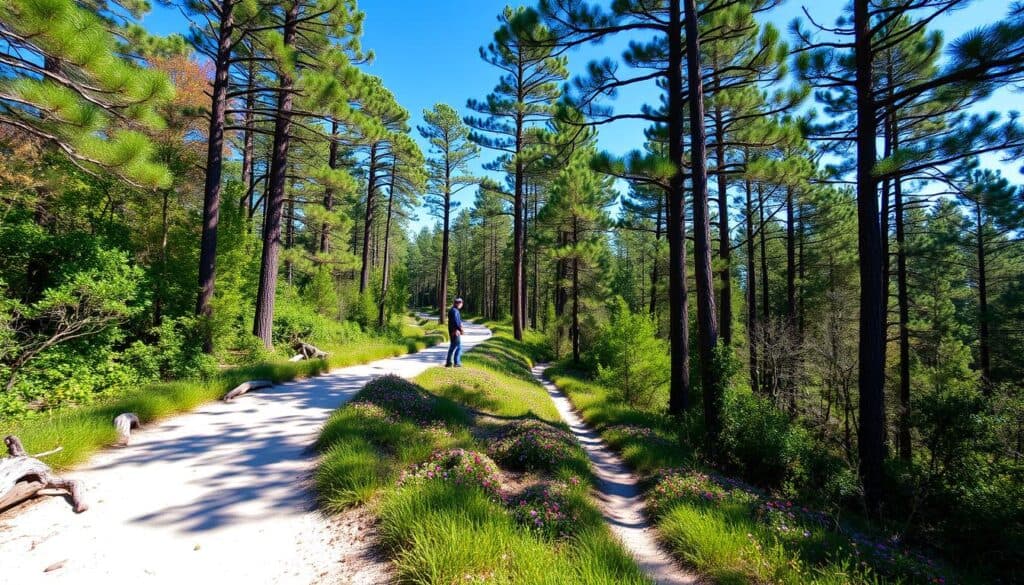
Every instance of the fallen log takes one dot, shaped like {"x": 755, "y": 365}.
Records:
{"x": 124, "y": 423}
{"x": 308, "y": 352}
{"x": 22, "y": 476}
{"x": 245, "y": 387}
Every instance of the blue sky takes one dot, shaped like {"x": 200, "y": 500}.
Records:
{"x": 428, "y": 52}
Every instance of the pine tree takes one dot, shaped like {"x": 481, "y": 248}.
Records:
{"x": 65, "y": 79}
{"x": 407, "y": 178}
{"x": 577, "y": 205}
{"x": 993, "y": 210}
{"x": 846, "y": 70}
{"x": 306, "y": 29}
{"x": 524, "y": 97}
{"x": 448, "y": 175}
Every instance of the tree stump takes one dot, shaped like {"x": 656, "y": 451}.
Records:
{"x": 124, "y": 423}
{"x": 245, "y": 387}
{"x": 22, "y": 476}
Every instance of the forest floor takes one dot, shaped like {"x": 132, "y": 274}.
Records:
{"x": 619, "y": 496}
{"x": 223, "y": 494}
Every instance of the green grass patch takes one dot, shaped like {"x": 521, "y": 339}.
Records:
{"x": 83, "y": 431}
{"x": 416, "y": 452}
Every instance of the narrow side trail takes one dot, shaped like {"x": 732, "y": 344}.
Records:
{"x": 218, "y": 495}
{"x": 619, "y": 496}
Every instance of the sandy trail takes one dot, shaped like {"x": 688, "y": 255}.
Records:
{"x": 619, "y": 496}
{"x": 221, "y": 494}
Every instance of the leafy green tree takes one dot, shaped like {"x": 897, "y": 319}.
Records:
{"x": 86, "y": 299}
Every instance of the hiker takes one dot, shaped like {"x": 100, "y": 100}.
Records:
{"x": 455, "y": 335}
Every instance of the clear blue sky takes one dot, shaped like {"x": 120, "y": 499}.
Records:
{"x": 428, "y": 52}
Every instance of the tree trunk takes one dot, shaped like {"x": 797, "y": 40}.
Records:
{"x": 679, "y": 334}
{"x": 518, "y": 235}
{"x": 442, "y": 292}
{"x": 791, "y": 377}
{"x": 214, "y": 168}
{"x": 903, "y": 300}
{"x": 871, "y": 379}
{"x": 161, "y": 286}
{"x": 289, "y": 240}
{"x": 523, "y": 297}
{"x": 371, "y": 187}
{"x": 707, "y": 320}
{"x": 536, "y": 267}
{"x": 575, "y": 334}
{"x": 249, "y": 140}
{"x": 724, "y": 243}
{"x": 765, "y": 337}
{"x": 332, "y": 162}
{"x": 752, "y": 333}
{"x": 653, "y": 304}
{"x": 984, "y": 350}
{"x": 263, "y": 324}
{"x": 385, "y": 279}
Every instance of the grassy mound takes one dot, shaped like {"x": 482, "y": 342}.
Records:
{"x": 447, "y": 513}
{"x": 533, "y": 445}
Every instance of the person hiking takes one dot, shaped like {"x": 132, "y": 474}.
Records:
{"x": 455, "y": 332}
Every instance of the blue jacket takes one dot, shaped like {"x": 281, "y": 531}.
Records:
{"x": 454, "y": 321}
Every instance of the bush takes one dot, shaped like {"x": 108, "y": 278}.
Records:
{"x": 759, "y": 440}
{"x": 551, "y": 509}
{"x": 460, "y": 467}
{"x": 295, "y": 320}
{"x": 630, "y": 358}
{"x": 533, "y": 445}
{"x": 177, "y": 351}
{"x": 399, "y": 397}
{"x": 671, "y": 487}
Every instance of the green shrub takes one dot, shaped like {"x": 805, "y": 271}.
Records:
{"x": 630, "y": 358}
{"x": 759, "y": 440}
{"x": 550, "y": 509}
{"x": 459, "y": 467}
{"x": 399, "y": 397}
{"x": 533, "y": 445}
{"x": 297, "y": 320}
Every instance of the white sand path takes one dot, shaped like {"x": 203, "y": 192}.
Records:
{"x": 619, "y": 496}
{"x": 219, "y": 495}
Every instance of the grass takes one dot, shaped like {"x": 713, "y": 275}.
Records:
{"x": 727, "y": 530}
{"x": 377, "y": 451}
{"x": 83, "y": 431}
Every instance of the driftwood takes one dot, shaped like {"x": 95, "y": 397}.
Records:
{"x": 307, "y": 352}
{"x": 245, "y": 387}
{"x": 22, "y": 476}
{"x": 124, "y": 423}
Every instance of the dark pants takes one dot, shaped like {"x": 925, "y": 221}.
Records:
{"x": 454, "y": 351}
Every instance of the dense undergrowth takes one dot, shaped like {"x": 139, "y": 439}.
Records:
{"x": 471, "y": 475}
{"x": 733, "y": 531}
{"x": 80, "y": 431}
